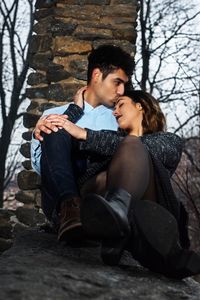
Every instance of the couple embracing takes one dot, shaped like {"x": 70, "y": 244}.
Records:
{"x": 105, "y": 162}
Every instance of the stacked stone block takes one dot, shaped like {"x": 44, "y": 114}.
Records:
{"x": 64, "y": 33}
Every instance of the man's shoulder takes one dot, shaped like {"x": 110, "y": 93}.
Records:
{"x": 56, "y": 110}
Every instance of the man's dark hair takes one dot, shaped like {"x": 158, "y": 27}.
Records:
{"x": 109, "y": 58}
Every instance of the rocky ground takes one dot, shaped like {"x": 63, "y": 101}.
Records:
{"x": 36, "y": 267}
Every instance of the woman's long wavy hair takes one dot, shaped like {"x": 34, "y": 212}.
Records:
{"x": 153, "y": 117}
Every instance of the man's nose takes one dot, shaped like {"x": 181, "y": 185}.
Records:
{"x": 120, "y": 90}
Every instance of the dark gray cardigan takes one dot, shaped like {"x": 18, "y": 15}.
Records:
{"x": 165, "y": 149}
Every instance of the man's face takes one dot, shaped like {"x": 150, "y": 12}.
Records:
{"x": 108, "y": 90}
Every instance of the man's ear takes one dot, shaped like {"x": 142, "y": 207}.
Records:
{"x": 96, "y": 74}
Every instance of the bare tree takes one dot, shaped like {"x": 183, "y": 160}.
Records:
{"x": 167, "y": 57}
{"x": 167, "y": 66}
{"x": 14, "y": 49}
{"x": 187, "y": 185}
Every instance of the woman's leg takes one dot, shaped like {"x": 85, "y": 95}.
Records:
{"x": 131, "y": 169}
{"x": 96, "y": 184}
{"x": 128, "y": 179}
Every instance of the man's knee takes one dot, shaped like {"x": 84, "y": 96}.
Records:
{"x": 55, "y": 137}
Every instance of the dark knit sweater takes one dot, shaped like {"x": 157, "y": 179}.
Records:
{"x": 165, "y": 149}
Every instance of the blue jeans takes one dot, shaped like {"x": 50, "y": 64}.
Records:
{"x": 61, "y": 164}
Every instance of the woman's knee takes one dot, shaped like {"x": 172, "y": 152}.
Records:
{"x": 134, "y": 143}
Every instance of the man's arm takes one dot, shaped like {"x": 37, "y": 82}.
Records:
{"x": 74, "y": 111}
{"x": 46, "y": 124}
{"x": 43, "y": 125}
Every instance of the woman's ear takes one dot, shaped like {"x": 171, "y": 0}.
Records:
{"x": 139, "y": 106}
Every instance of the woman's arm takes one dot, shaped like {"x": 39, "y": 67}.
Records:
{"x": 165, "y": 146}
{"x": 103, "y": 142}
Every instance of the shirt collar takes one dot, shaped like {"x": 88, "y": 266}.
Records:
{"x": 102, "y": 108}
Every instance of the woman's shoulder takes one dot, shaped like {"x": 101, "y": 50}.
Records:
{"x": 163, "y": 138}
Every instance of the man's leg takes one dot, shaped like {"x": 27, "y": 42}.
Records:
{"x": 60, "y": 194}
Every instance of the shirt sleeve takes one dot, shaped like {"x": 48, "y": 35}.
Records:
{"x": 166, "y": 147}
{"x": 35, "y": 155}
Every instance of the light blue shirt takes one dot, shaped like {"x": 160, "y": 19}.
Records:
{"x": 97, "y": 118}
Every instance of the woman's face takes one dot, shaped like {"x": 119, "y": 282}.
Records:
{"x": 129, "y": 114}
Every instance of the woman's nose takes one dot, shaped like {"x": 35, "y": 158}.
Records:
{"x": 115, "y": 112}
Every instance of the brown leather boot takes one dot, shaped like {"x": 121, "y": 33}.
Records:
{"x": 70, "y": 224}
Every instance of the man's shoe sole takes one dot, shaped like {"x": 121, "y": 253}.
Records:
{"x": 70, "y": 233}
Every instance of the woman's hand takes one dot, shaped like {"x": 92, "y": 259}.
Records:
{"x": 75, "y": 131}
{"x": 61, "y": 121}
{"x": 44, "y": 124}
{"x": 78, "y": 97}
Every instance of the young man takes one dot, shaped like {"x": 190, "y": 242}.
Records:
{"x": 56, "y": 158}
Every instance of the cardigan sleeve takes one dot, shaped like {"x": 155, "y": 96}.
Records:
{"x": 102, "y": 142}
{"x": 166, "y": 147}
{"x": 74, "y": 112}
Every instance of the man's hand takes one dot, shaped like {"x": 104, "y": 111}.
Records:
{"x": 78, "y": 97}
{"x": 47, "y": 124}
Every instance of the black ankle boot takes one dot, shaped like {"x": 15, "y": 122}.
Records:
{"x": 112, "y": 250}
{"x": 156, "y": 226}
{"x": 184, "y": 263}
{"x": 106, "y": 218}
{"x": 156, "y": 245}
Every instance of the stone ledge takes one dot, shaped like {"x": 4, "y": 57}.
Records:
{"x": 37, "y": 267}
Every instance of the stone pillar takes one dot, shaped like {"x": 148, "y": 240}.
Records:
{"x": 64, "y": 34}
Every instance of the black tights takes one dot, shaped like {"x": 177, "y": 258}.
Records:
{"x": 130, "y": 169}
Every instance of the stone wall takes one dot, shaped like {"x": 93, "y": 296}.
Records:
{"x": 64, "y": 34}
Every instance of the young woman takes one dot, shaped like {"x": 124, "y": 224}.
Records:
{"x": 134, "y": 206}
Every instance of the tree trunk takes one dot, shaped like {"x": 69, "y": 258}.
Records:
{"x": 4, "y": 145}
{"x": 144, "y": 47}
